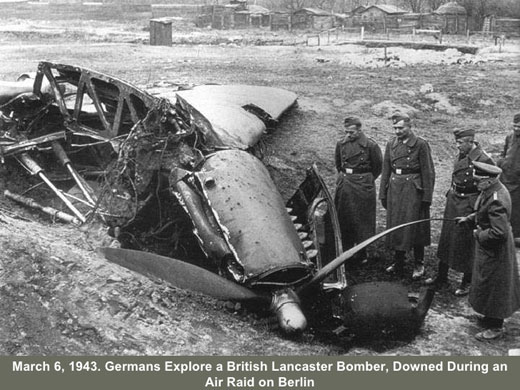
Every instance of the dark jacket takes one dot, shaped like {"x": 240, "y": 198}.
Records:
{"x": 510, "y": 164}
{"x": 495, "y": 287}
{"x": 358, "y": 163}
{"x": 456, "y": 244}
{"x": 407, "y": 185}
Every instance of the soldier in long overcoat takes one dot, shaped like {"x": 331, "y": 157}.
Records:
{"x": 456, "y": 243}
{"x": 510, "y": 164}
{"x": 359, "y": 162}
{"x": 406, "y": 192}
{"x": 495, "y": 286}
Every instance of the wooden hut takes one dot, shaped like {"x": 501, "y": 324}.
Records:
{"x": 260, "y": 16}
{"x": 379, "y": 18}
{"x": 452, "y": 18}
{"x": 280, "y": 21}
{"x": 312, "y": 19}
{"x": 381, "y": 11}
{"x": 358, "y": 10}
{"x": 507, "y": 26}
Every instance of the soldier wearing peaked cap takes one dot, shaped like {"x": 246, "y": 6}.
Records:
{"x": 495, "y": 285}
{"x": 456, "y": 243}
{"x": 406, "y": 192}
{"x": 485, "y": 170}
{"x": 358, "y": 162}
{"x": 510, "y": 163}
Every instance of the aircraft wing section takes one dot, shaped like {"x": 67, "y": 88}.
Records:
{"x": 234, "y": 116}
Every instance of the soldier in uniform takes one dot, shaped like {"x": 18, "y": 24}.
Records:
{"x": 456, "y": 244}
{"x": 495, "y": 286}
{"x": 510, "y": 164}
{"x": 406, "y": 193}
{"x": 358, "y": 162}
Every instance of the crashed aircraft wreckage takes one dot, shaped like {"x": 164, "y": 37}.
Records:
{"x": 180, "y": 176}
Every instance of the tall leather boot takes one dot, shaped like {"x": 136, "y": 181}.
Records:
{"x": 397, "y": 266}
{"x": 441, "y": 278}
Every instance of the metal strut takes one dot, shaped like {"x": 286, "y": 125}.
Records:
{"x": 33, "y": 167}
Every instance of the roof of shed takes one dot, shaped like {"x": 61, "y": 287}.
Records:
{"x": 314, "y": 11}
{"x": 358, "y": 9}
{"x": 389, "y": 9}
{"x": 451, "y": 8}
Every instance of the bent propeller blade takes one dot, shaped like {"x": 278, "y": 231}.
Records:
{"x": 180, "y": 274}
{"x": 338, "y": 261}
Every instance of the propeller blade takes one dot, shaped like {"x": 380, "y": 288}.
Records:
{"x": 338, "y": 261}
{"x": 180, "y": 274}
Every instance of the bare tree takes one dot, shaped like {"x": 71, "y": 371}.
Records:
{"x": 434, "y": 4}
{"x": 476, "y": 9}
{"x": 479, "y": 9}
{"x": 414, "y": 5}
{"x": 505, "y": 8}
{"x": 292, "y": 5}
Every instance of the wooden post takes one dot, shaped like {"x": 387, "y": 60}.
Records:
{"x": 362, "y": 32}
{"x": 440, "y": 38}
{"x": 161, "y": 32}
{"x": 467, "y": 36}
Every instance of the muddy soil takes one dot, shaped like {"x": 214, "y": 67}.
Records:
{"x": 59, "y": 297}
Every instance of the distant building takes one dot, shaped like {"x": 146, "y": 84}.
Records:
{"x": 260, "y": 16}
{"x": 381, "y": 11}
{"x": 240, "y": 5}
{"x": 358, "y": 10}
{"x": 452, "y": 18}
{"x": 312, "y": 19}
{"x": 377, "y": 18}
{"x": 280, "y": 21}
{"x": 507, "y": 26}
{"x": 253, "y": 15}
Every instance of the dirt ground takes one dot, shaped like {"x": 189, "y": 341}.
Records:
{"x": 59, "y": 297}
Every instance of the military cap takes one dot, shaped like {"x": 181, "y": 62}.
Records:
{"x": 459, "y": 133}
{"x": 352, "y": 121}
{"x": 483, "y": 169}
{"x": 516, "y": 118}
{"x": 399, "y": 116}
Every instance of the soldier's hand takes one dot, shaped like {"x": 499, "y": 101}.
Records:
{"x": 383, "y": 202}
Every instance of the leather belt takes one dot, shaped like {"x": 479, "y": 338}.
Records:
{"x": 355, "y": 171}
{"x": 460, "y": 190}
{"x": 404, "y": 171}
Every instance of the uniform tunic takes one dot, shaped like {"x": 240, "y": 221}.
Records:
{"x": 456, "y": 244}
{"x": 358, "y": 163}
{"x": 510, "y": 164}
{"x": 495, "y": 287}
{"x": 407, "y": 181}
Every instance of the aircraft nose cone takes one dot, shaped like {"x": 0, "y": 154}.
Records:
{"x": 287, "y": 308}
{"x": 291, "y": 318}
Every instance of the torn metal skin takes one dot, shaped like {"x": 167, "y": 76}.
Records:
{"x": 176, "y": 177}
{"x": 186, "y": 160}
